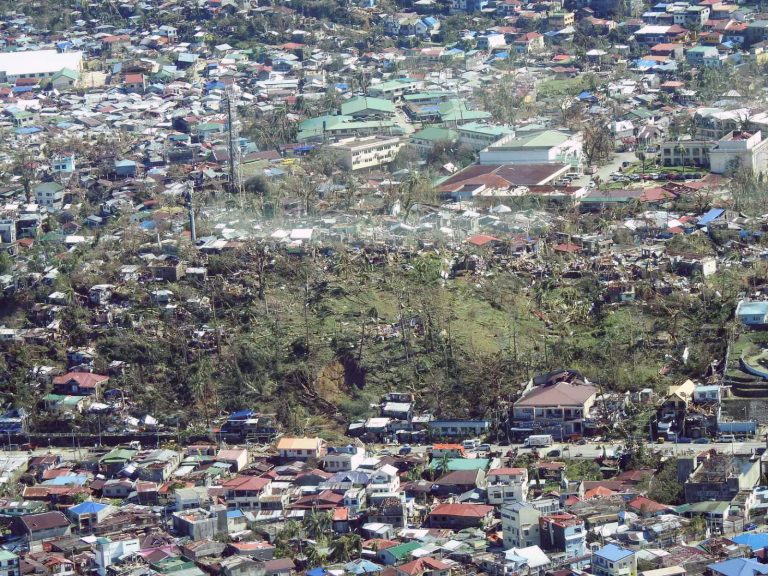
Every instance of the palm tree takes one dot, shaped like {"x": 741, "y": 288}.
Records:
{"x": 317, "y": 523}
{"x": 318, "y": 553}
{"x": 346, "y": 548}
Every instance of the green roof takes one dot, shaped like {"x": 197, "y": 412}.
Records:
{"x": 702, "y": 49}
{"x": 704, "y": 507}
{"x": 434, "y": 134}
{"x": 461, "y": 464}
{"x": 545, "y": 139}
{"x": 118, "y": 454}
{"x": 456, "y": 110}
{"x": 480, "y": 128}
{"x": 67, "y": 73}
{"x": 329, "y": 120}
{"x": 427, "y": 94}
{"x": 316, "y": 128}
{"x": 6, "y": 555}
{"x": 363, "y": 103}
{"x": 402, "y": 551}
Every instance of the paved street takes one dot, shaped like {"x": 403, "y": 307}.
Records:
{"x": 594, "y": 450}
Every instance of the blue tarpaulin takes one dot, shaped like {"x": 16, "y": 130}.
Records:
{"x": 711, "y": 216}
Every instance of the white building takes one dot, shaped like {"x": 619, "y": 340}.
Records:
{"x": 343, "y": 458}
{"x": 369, "y": 152}
{"x": 300, "y": 448}
{"x": 740, "y": 150}
{"x": 520, "y": 525}
{"x": 507, "y": 485}
{"x": 109, "y": 552}
{"x": 9, "y": 563}
{"x": 547, "y": 147}
{"x": 50, "y": 195}
{"x": 385, "y": 479}
{"x": 37, "y": 64}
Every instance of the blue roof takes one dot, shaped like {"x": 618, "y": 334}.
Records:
{"x": 317, "y": 572}
{"x": 87, "y": 508}
{"x": 614, "y": 553}
{"x": 710, "y": 216}
{"x": 362, "y": 566}
{"x": 67, "y": 480}
{"x": 235, "y": 514}
{"x": 754, "y": 541}
{"x": 241, "y": 415}
{"x": 739, "y": 567}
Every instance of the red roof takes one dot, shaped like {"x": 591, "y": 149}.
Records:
{"x": 341, "y": 514}
{"x": 599, "y": 492}
{"x": 378, "y": 544}
{"x": 481, "y": 239}
{"x": 571, "y": 248}
{"x": 643, "y": 504}
{"x": 551, "y": 465}
{"x": 422, "y": 565}
{"x": 462, "y": 510}
{"x": 246, "y": 483}
{"x": 83, "y": 379}
{"x": 507, "y": 471}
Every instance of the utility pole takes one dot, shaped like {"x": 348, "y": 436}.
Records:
{"x": 232, "y": 144}
{"x": 191, "y": 208}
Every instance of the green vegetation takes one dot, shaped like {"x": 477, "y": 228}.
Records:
{"x": 583, "y": 470}
{"x": 664, "y": 487}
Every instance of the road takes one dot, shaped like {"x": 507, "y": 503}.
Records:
{"x": 613, "y": 165}
{"x": 593, "y": 450}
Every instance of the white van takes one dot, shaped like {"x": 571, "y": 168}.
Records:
{"x": 727, "y": 438}
{"x": 469, "y": 444}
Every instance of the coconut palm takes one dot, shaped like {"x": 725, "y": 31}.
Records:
{"x": 317, "y": 523}
{"x": 346, "y": 548}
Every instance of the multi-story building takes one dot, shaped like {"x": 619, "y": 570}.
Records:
{"x": 243, "y": 492}
{"x": 507, "y": 485}
{"x": 559, "y": 405}
{"x": 612, "y": 560}
{"x": 50, "y": 195}
{"x": 370, "y": 152}
{"x": 704, "y": 56}
{"x": 343, "y": 458}
{"x": 520, "y": 525}
{"x": 686, "y": 152}
{"x": 9, "y": 563}
{"x": 477, "y": 136}
{"x": 721, "y": 477}
{"x": 740, "y": 150}
{"x": 563, "y": 533}
{"x": 547, "y": 147}
{"x": 300, "y": 448}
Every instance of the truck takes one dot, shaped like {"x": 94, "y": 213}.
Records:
{"x": 539, "y": 441}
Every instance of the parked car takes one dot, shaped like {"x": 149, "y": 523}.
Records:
{"x": 484, "y": 448}
{"x": 749, "y": 527}
{"x": 406, "y": 449}
{"x": 701, "y": 441}
{"x": 684, "y": 440}
{"x": 581, "y": 442}
{"x": 553, "y": 453}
